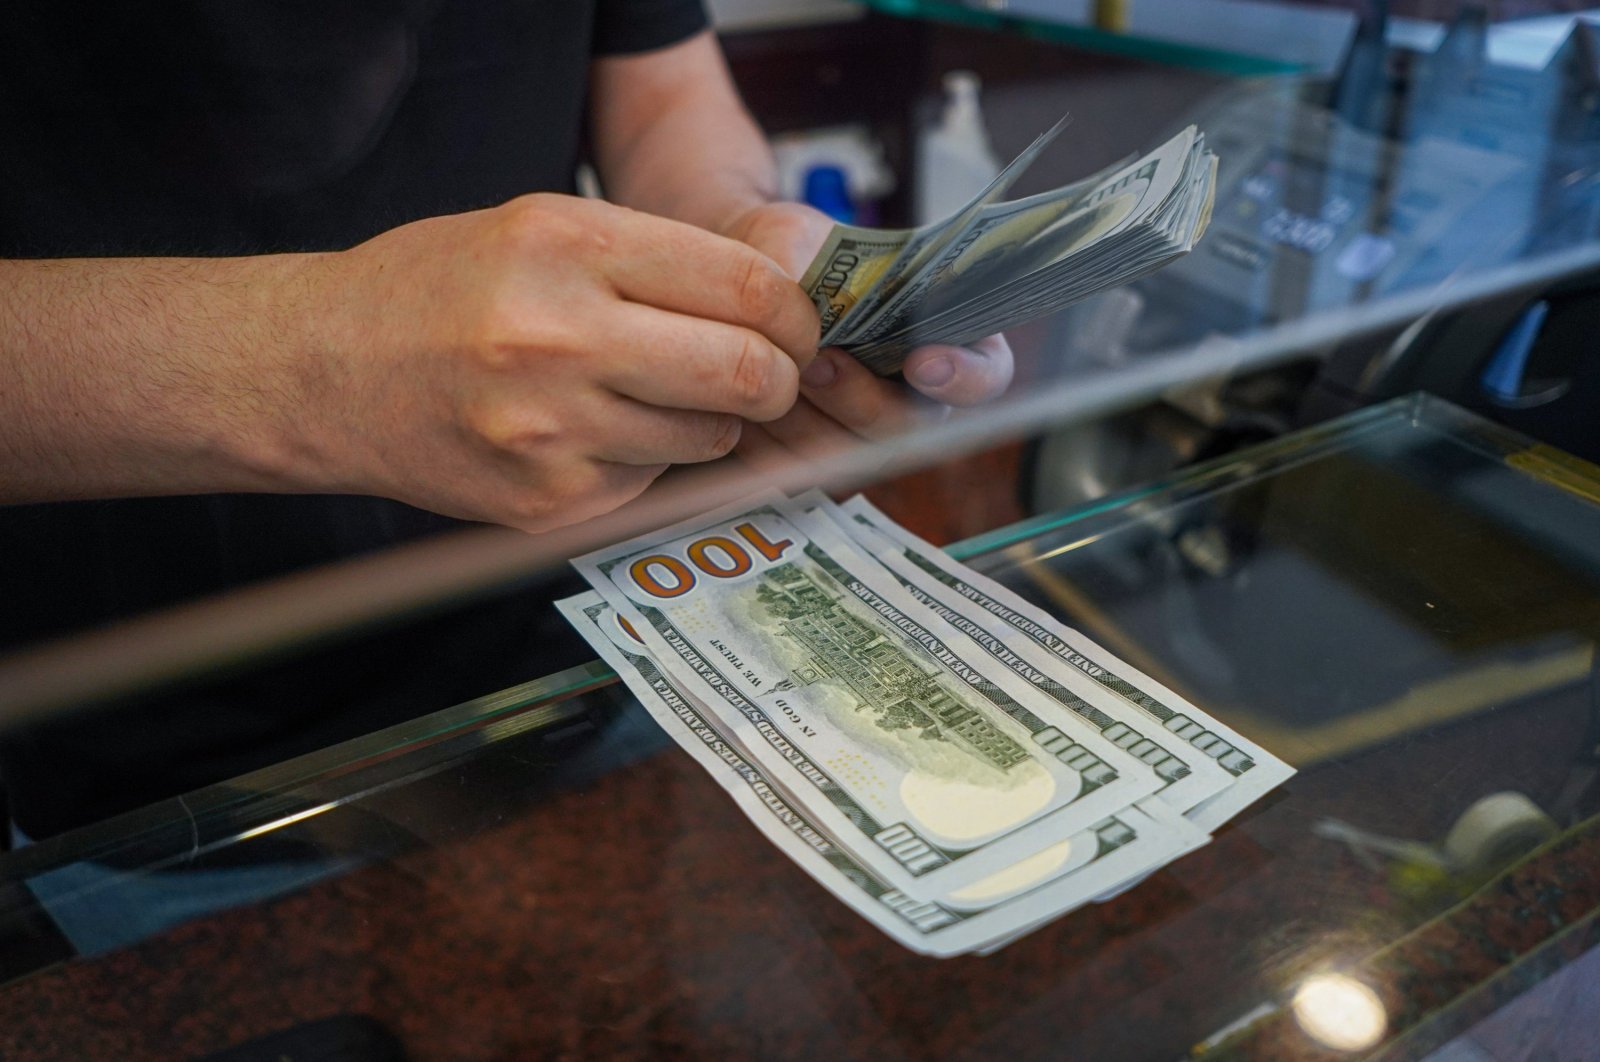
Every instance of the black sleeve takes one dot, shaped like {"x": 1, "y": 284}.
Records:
{"x": 625, "y": 26}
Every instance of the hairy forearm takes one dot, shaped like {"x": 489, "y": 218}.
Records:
{"x": 532, "y": 364}
{"x": 123, "y": 377}
{"x": 672, "y": 137}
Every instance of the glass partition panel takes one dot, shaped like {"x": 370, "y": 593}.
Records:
{"x": 1402, "y": 603}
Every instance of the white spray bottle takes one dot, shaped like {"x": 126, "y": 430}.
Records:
{"x": 955, "y": 161}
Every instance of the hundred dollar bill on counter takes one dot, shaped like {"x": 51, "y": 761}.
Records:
{"x": 944, "y": 757}
{"x": 1059, "y": 877}
{"x": 994, "y": 264}
{"x": 1150, "y": 710}
{"x": 913, "y": 748}
{"x": 1181, "y": 756}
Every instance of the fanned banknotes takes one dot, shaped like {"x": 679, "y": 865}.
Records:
{"x": 946, "y": 759}
{"x": 995, "y": 264}
{"x": 1154, "y": 717}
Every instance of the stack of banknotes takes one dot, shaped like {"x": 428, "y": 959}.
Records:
{"x": 995, "y": 264}
{"x": 949, "y": 760}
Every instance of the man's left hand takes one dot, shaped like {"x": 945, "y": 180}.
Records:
{"x": 841, "y": 401}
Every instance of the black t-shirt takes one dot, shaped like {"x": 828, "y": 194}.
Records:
{"x": 225, "y": 127}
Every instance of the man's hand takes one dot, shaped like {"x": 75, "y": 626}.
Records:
{"x": 840, "y": 399}
{"x": 533, "y": 364}
{"x": 544, "y": 361}
{"x": 672, "y": 138}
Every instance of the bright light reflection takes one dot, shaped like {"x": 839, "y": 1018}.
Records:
{"x": 1068, "y": 548}
{"x": 1340, "y": 1012}
{"x": 287, "y": 820}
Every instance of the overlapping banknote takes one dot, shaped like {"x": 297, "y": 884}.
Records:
{"x": 946, "y": 758}
{"x": 995, "y": 264}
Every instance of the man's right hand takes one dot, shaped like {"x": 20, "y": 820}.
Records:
{"x": 532, "y": 364}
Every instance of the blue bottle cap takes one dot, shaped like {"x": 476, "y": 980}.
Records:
{"x": 826, "y": 189}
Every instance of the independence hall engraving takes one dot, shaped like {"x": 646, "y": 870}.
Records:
{"x": 885, "y": 679}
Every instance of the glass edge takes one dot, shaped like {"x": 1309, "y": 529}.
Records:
{"x": 248, "y": 801}
{"x": 1092, "y": 38}
{"x": 1521, "y": 453}
{"x": 1299, "y": 445}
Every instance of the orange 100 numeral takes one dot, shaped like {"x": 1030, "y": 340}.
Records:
{"x": 663, "y": 575}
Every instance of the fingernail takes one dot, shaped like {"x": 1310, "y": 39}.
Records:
{"x": 820, "y": 373}
{"x": 934, "y": 373}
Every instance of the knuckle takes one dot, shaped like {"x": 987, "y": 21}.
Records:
{"x": 783, "y": 388}
{"x": 763, "y": 381}
{"x": 752, "y": 373}
{"x": 501, "y": 336}
{"x": 761, "y": 291}
{"x": 722, "y": 436}
{"x": 580, "y": 480}
{"x": 560, "y": 496}
{"x": 487, "y": 345}
{"x": 575, "y": 489}
{"x": 532, "y": 511}
{"x": 517, "y": 430}
{"x": 486, "y": 328}
{"x": 542, "y": 223}
{"x": 526, "y": 214}
{"x": 495, "y": 356}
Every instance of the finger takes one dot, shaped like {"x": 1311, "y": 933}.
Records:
{"x": 688, "y": 270}
{"x": 762, "y": 453}
{"x": 809, "y": 433}
{"x": 682, "y": 362}
{"x": 851, "y": 395}
{"x": 634, "y": 433}
{"x": 961, "y": 376}
{"x": 805, "y": 437}
{"x": 790, "y": 234}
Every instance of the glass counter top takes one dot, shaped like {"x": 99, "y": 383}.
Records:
{"x": 1403, "y": 603}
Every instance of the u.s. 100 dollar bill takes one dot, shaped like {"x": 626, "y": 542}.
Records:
{"x": 1187, "y": 775}
{"x": 1060, "y": 876}
{"x": 858, "y": 269}
{"x": 913, "y": 749}
{"x": 1183, "y": 729}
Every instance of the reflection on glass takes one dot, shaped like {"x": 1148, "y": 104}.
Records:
{"x": 1340, "y": 1012}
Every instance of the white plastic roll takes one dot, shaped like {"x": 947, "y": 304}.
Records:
{"x": 1495, "y": 830}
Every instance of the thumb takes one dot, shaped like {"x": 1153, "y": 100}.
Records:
{"x": 790, "y": 234}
